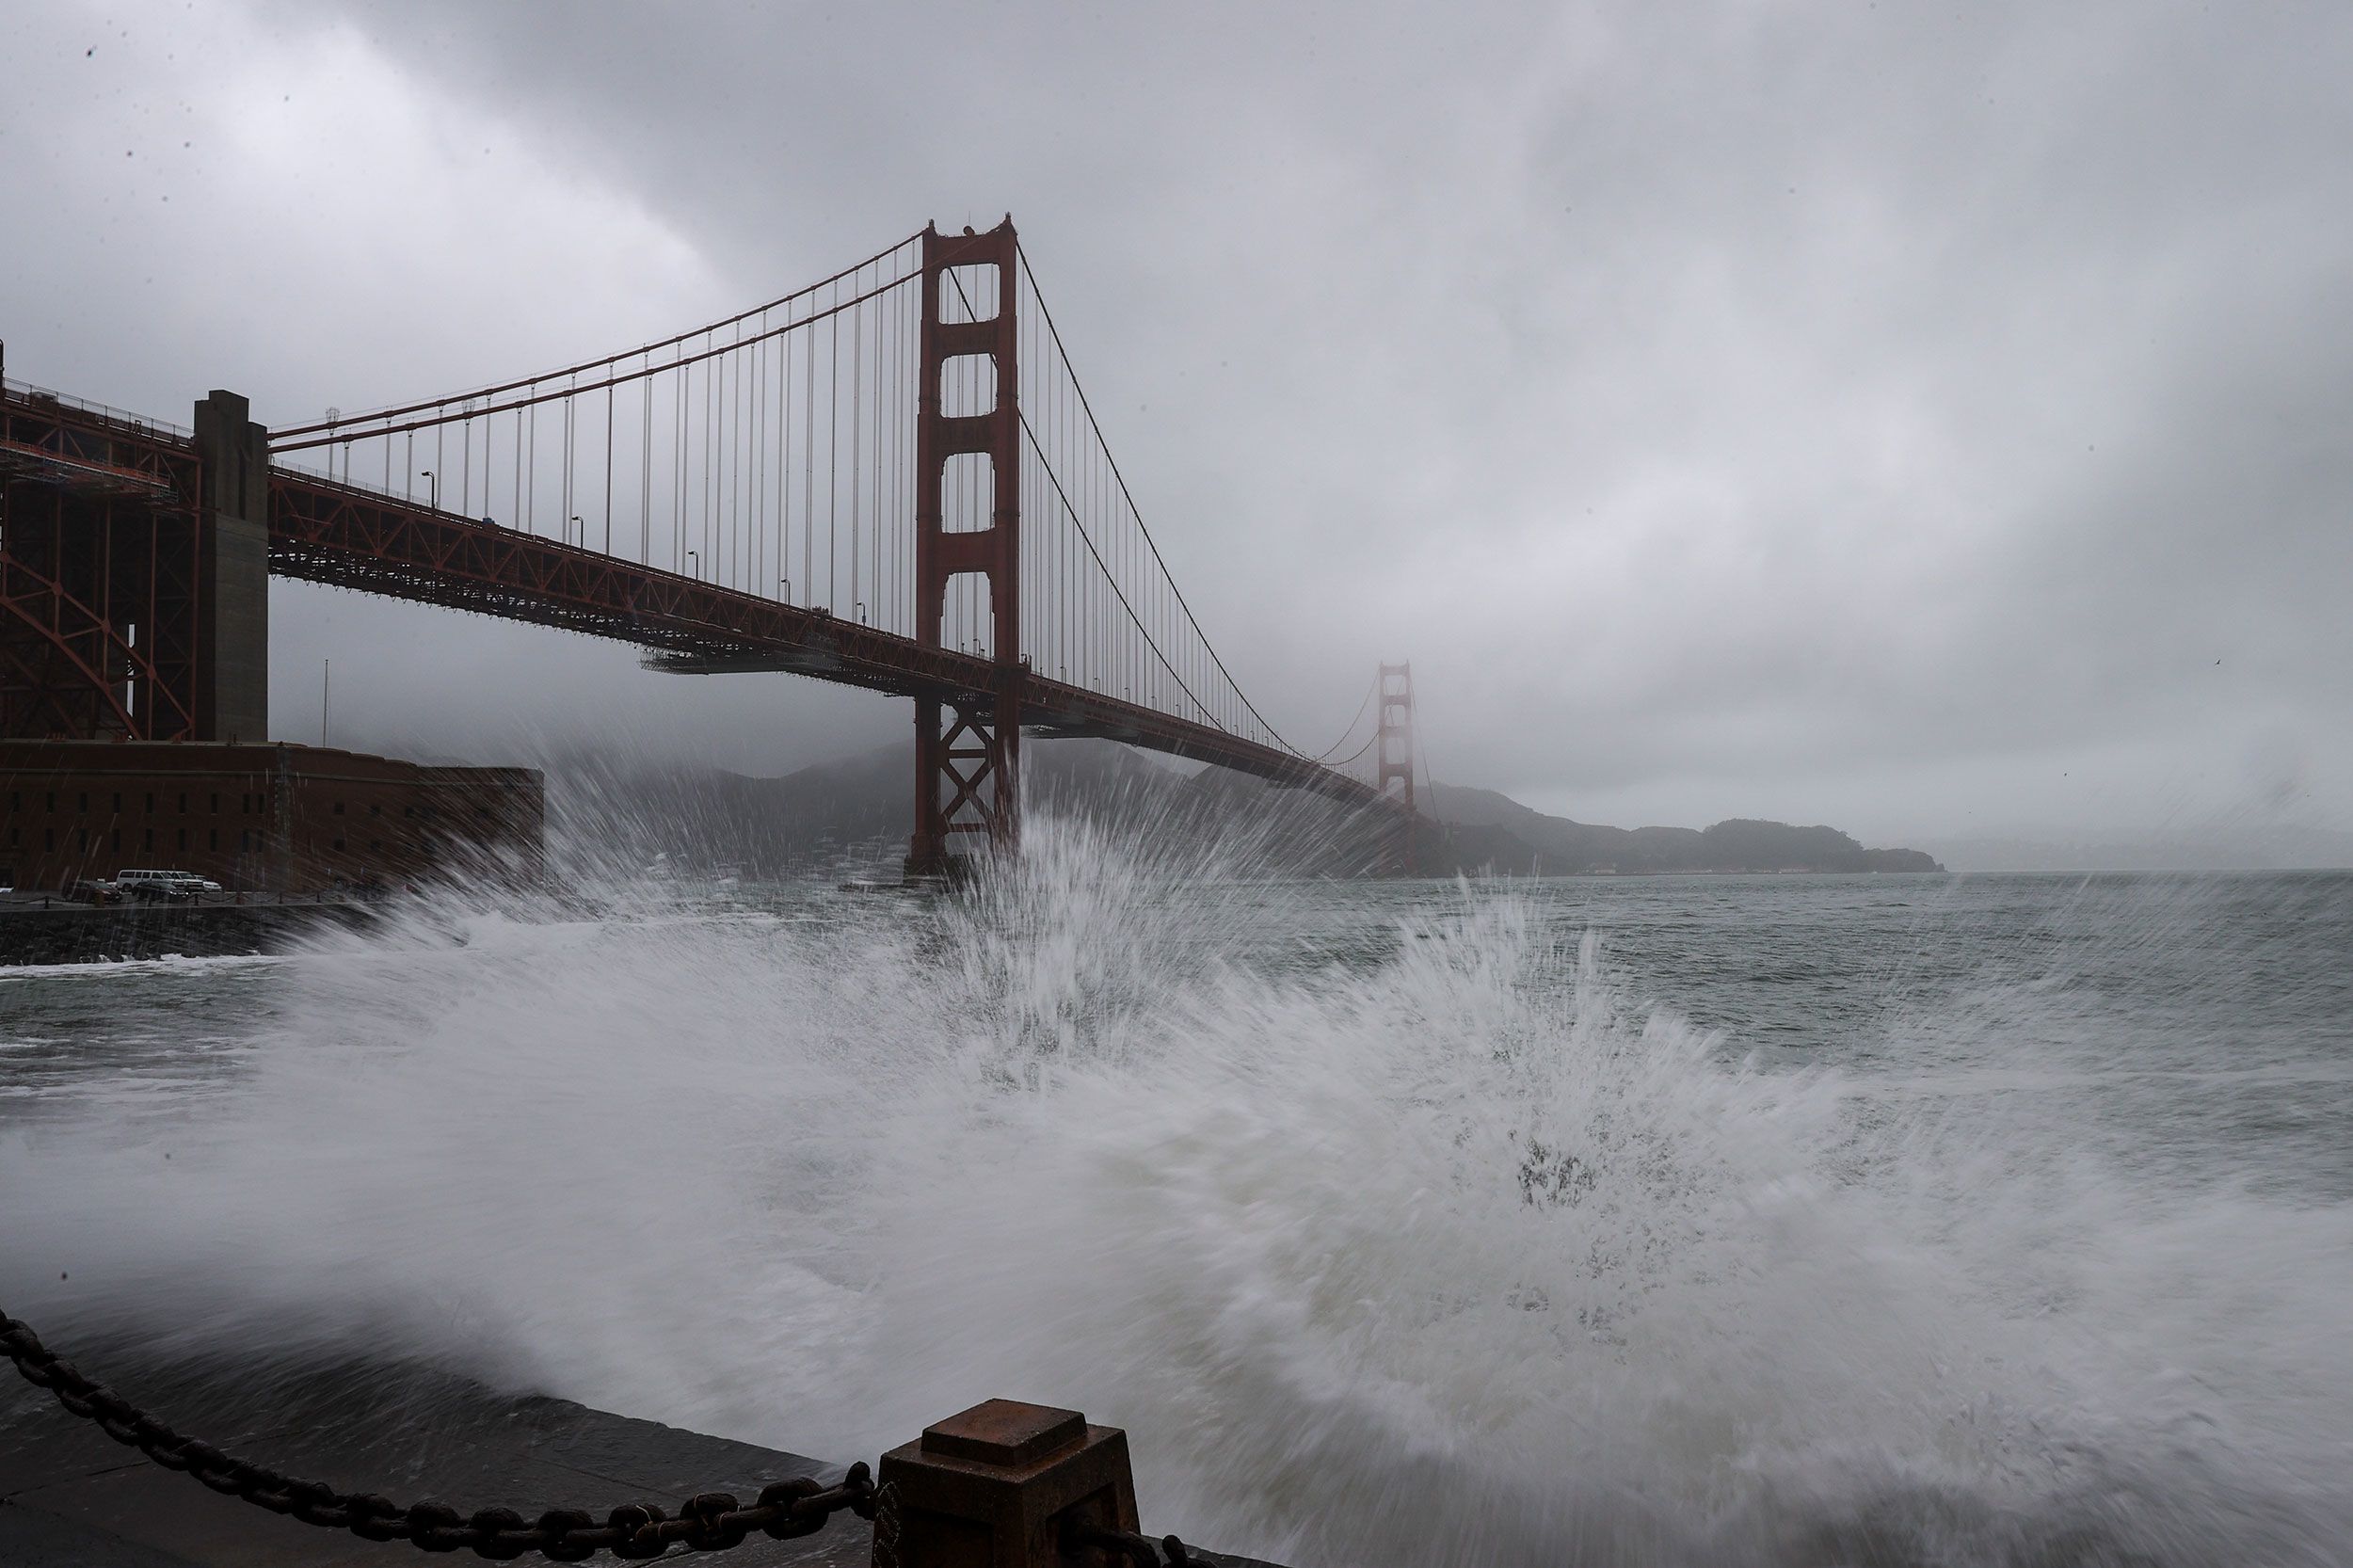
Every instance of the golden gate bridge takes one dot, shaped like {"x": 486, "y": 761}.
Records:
{"x": 892, "y": 478}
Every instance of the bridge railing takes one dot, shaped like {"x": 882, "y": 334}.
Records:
{"x": 134, "y": 424}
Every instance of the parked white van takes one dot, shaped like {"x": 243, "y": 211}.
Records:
{"x": 160, "y": 884}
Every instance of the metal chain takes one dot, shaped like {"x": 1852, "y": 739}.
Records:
{"x": 886, "y": 1526}
{"x": 1140, "y": 1551}
{"x": 711, "y": 1521}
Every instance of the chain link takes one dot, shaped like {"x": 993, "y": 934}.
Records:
{"x": 886, "y": 1526}
{"x": 711, "y": 1521}
{"x": 1139, "y": 1551}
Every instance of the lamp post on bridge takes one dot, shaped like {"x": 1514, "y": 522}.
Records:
{"x": 432, "y": 488}
{"x": 695, "y": 571}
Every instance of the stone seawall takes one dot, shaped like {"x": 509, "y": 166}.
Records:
{"x": 81, "y": 933}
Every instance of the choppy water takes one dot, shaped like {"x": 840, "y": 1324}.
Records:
{"x": 1773, "y": 1220}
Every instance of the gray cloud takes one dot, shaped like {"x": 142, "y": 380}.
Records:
{"x": 1859, "y": 414}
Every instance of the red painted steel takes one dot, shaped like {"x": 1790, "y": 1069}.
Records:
{"x": 102, "y": 525}
{"x": 967, "y": 750}
{"x": 354, "y": 537}
{"x": 98, "y": 543}
{"x": 1395, "y": 760}
{"x": 326, "y": 532}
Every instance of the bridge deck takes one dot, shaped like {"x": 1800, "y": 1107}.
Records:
{"x": 353, "y": 536}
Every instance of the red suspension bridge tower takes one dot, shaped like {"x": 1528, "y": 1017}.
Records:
{"x": 968, "y": 746}
{"x": 829, "y": 484}
{"x": 1395, "y": 757}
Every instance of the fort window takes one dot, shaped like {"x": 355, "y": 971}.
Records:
{"x": 217, "y": 805}
{"x": 183, "y": 810}
{"x": 148, "y": 840}
{"x": 49, "y": 838}
{"x": 214, "y": 838}
{"x": 114, "y": 839}
{"x": 184, "y": 837}
{"x": 339, "y": 843}
{"x": 151, "y": 803}
{"x": 81, "y": 800}
{"x": 49, "y": 800}
{"x": 118, "y": 802}
{"x": 339, "y": 809}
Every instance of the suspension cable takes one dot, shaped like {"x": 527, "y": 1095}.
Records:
{"x": 379, "y": 414}
{"x": 1119, "y": 593}
{"x": 341, "y": 431}
{"x": 1087, "y": 539}
{"x": 1052, "y": 332}
{"x": 1353, "y": 755}
{"x": 1352, "y": 723}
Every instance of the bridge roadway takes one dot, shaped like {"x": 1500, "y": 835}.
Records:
{"x": 353, "y": 536}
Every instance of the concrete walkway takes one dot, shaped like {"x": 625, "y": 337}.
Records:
{"x": 70, "y": 1497}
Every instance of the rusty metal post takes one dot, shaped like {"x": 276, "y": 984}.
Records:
{"x": 996, "y": 1487}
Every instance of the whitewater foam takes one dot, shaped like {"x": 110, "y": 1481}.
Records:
{"x": 1423, "y": 1243}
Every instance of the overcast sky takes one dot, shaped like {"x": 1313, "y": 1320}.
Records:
{"x": 1921, "y": 420}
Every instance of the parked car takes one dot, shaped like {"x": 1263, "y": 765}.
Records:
{"x": 161, "y": 885}
{"x": 95, "y": 890}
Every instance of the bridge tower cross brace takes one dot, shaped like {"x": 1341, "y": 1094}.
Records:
{"x": 967, "y": 745}
{"x": 1395, "y": 752}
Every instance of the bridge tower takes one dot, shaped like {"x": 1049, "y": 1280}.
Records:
{"x": 1394, "y": 751}
{"x": 967, "y": 746}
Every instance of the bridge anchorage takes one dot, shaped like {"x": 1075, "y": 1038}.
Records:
{"x": 891, "y": 479}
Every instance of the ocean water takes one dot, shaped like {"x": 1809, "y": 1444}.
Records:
{"x": 1936, "y": 1221}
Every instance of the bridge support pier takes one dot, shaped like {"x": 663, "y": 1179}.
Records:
{"x": 967, "y": 748}
{"x": 231, "y": 687}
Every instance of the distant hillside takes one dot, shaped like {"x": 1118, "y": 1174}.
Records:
{"x": 857, "y": 813}
{"x": 2225, "y": 846}
{"x": 1556, "y": 846}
